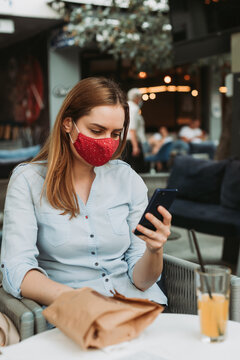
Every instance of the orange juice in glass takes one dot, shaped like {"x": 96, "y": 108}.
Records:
{"x": 213, "y": 287}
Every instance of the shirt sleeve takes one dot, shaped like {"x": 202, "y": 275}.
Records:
{"x": 137, "y": 207}
{"x": 19, "y": 251}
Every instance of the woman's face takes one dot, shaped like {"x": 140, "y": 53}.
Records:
{"x": 102, "y": 122}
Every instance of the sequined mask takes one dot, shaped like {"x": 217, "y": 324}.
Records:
{"x": 96, "y": 152}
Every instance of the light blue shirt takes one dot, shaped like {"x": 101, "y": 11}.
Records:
{"x": 96, "y": 249}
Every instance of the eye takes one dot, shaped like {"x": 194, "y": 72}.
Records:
{"x": 96, "y": 131}
{"x": 116, "y": 135}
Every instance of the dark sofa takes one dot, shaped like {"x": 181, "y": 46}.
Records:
{"x": 209, "y": 200}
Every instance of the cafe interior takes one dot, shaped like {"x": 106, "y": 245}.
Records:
{"x": 183, "y": 58}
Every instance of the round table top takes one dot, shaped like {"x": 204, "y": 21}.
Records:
{"x": 169, "y": 337}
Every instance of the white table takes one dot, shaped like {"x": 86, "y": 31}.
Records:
{"x": 171, "y": 337}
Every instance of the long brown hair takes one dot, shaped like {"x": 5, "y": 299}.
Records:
{"x": 85, "y": 95}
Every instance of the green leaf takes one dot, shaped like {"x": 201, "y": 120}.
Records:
{"x": 135, "y": 33}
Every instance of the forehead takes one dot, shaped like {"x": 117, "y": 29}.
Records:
{"x": 109, "y": 115}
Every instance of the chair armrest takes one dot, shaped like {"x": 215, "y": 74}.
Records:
{"x": 235, "y": 299}
{"x": 40, "y": 323}
{"x": 20, "y": 315}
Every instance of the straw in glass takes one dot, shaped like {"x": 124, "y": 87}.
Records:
{"x": 200, "y": 260}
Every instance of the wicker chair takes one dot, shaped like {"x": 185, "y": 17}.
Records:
{"x": 177, "y": 282}
{"x": 179, "y": 285}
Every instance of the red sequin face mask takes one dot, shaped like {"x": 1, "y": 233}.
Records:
{"x": 96, "y": 152}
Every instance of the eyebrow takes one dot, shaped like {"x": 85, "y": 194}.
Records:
{"x": 104, "y": 128}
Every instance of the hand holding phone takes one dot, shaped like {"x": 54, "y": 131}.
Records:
{"x": 163, "y": 197}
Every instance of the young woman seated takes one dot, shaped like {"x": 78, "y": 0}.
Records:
{"x": 70, "y": 213}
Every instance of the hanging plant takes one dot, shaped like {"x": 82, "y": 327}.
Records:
{"x": 139, "y": 33}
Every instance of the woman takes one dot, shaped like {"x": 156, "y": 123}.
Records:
{"x": 69, "y": 214}
{"x": 157, "y": 140}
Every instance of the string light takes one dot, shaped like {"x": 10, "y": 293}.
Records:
{"x": 152, "y": 96}
{"x": 142, "y": 74}
{"x": 171, "y": 88}
{"x": 194, "y": 93}
{"x": 143, "y": 90}
{"x": 223, "y": 89}
{"x": 164, "y": 88}
{"x": 153, "y": 89}
{"x": 161, "y": 88}
{"x": 145, "y": 97}
{"x": 183, "y": 88}
{"x": 167, "y": 79}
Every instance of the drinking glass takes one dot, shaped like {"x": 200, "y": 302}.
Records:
{"x": 213, "y": 293}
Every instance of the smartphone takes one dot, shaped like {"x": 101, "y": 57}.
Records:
{"x": 163, "y": 197}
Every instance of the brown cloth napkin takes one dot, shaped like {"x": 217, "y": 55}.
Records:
{"x": 94, "y": 320}
{"x": 8, "y": 331}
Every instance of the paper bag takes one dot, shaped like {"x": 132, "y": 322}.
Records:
{"x": 8, "y": 332}
{"x": 94, "y": 320}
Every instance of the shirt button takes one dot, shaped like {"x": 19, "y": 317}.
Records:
{"x": 106, "y": 280}
{"x": 93, "y": 252}
{"x": 96, "y": 264}
{"x": 91, "y": 235}
{"x": 103, "y": 274}
{"x": 86, "y": 217}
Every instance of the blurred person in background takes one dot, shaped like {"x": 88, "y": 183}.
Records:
{"x": 192, "y": 133}
{"x": 159, "y": 138}
{"x": 137, "y": 143}
{"x": 196, "y": 139}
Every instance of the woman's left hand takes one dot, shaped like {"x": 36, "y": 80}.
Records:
{"x": 156, "y": 239}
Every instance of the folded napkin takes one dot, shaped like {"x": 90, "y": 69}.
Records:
{"x": 8, "y": 331}
{"x": 95, "y": 321}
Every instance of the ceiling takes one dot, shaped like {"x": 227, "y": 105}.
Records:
{"x": 26, "y": 27}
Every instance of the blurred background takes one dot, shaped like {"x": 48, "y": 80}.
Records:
{"x": 183, "y": 55}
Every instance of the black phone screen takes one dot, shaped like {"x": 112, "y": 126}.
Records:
{"x": 163, "y": 197}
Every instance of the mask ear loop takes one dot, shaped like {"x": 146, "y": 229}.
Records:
{"x": 76, "y": 129}
{"x": 71, "y": 138}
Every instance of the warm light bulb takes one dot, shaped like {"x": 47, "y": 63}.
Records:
{"x": 194, "y": 93}
{"x": 145, "y": 97}
{"x": 186, "y": 77}
{"x": 223, "y": 89}
{"x": 142, "y": 74}
{"x": 167, "y": 79}
{"x": 152, "y": 96}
